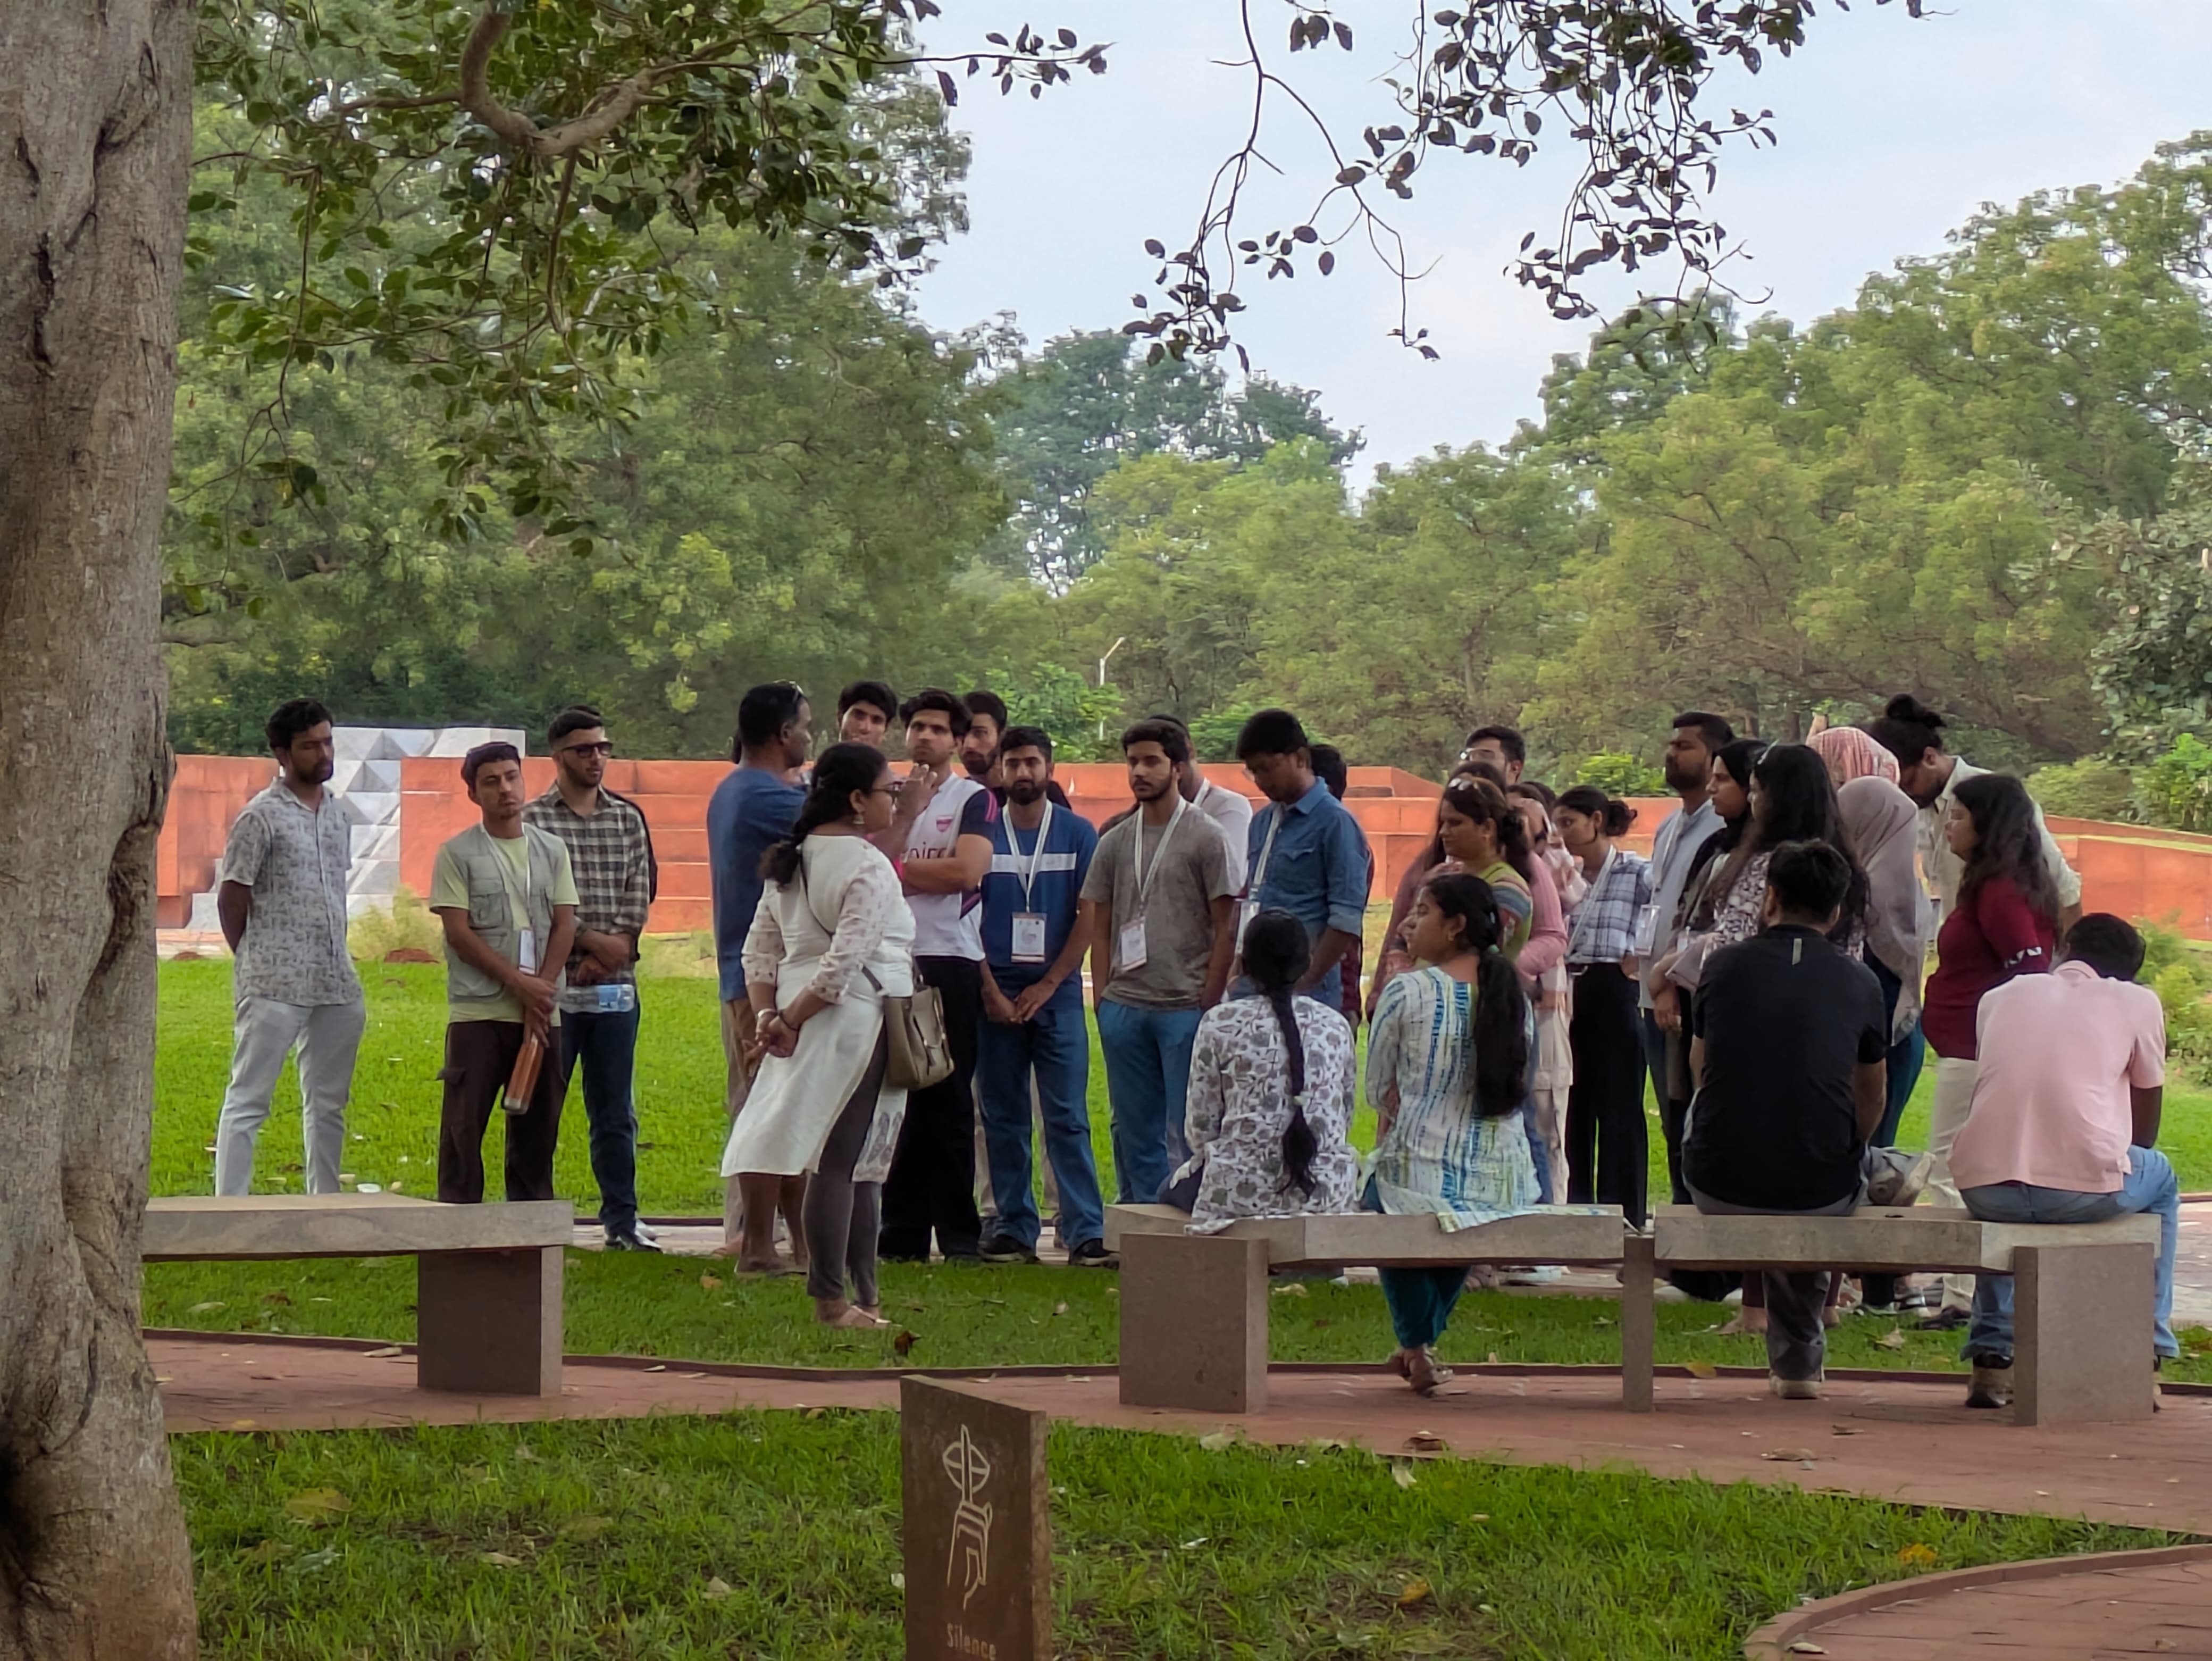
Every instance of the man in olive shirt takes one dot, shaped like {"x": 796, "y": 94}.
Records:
{"x": 507, "y": 895}
{"x": 1160, "y": 902}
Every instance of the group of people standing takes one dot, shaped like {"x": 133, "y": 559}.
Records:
{"x": 1765, "y": 968}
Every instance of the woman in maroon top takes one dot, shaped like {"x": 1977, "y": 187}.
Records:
{"x": 2005, "y": 923}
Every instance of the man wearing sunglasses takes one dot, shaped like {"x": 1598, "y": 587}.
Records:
{"x": 611, "y": 852}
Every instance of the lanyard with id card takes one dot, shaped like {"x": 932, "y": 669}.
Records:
{"x": 1028, "y": 922}
{"x": 526, "y": 937}
{"x": 1250, "y": 909}
{"x": 1129, "y": 951}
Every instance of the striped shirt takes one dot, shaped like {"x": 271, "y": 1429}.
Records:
{"x": 612, "y": 853}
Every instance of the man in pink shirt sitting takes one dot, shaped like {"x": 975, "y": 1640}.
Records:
{"x": 2066, "y": 1107}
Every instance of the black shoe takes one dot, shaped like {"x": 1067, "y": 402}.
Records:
{"x": 1005, "y": 1249}
{"x": 1944, "y": 1320}
{"x": 1092, "y": 1254}
{"x": 629, "y": 1240}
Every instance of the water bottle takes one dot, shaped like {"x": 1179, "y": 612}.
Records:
{"x": 616, "y": 997}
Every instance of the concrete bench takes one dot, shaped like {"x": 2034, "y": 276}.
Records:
{"x": 487, "y": 1277}
{"x": 2081, "y": 1294}
{"x": 1194, "y": 1306}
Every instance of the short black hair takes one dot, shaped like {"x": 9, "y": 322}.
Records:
{"x": 1810, "y": 879}
{"x": 1170, "y": 734}
{"x": 2108, "y": 944}
{"x": 981, "y": 702}
{"x": 293, "y": 717}
{"x": 874, "y": 692}
{"x": 765, "y": 711}
{"x": 1328, "y": 767}
{"x": 484, "y": 756}
{"x": 1713, "y": 729}
{"x": 1272, "y": 733}
{"x": 576, "y": 718}
{"x": 1025, "y": 737}
{"x": 1907, "y": 729}
{"x": 1509, "y": 739}
{"x": 936, "y": 697}
{"x": 1536, "y": 791}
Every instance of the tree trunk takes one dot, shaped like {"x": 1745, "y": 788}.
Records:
{"x": 95, "y": 137}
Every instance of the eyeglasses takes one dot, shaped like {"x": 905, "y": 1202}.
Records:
{"x": 603, "y": 749}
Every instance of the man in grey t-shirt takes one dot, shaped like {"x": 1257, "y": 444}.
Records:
{"x": 1159, "y": 901}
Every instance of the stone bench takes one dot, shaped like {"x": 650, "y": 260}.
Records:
{"x": 1194, "y": 1306}
{"x": 487, "y": 1277}
{"x": 2081, "y": 1294}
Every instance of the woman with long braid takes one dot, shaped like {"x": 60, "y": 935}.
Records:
{"x": 1272, "y": 1081}
{"x": 1447, "y": 1071}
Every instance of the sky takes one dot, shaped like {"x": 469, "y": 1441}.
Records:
{"x": 1892, "y": 131}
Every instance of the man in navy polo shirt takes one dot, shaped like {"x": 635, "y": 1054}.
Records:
{"x": 1309, "y": 855}
{"x": 1033, "y": 946}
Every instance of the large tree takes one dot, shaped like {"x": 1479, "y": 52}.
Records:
{"x": 549, "y": 146}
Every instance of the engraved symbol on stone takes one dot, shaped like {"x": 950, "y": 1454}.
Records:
{"x": 965, "y": 1464}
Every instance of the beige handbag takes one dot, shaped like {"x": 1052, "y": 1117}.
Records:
{"x": 918, "y": 1051}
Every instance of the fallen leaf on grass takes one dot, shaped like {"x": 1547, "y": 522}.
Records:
{"x": 205, "y": 1309}
{"x": 1060, "y": 1309}
{"x": 1403, "y": 1476}
{"x": 1218, "y": 1440}
{"x": 1193, "y": 1545}
{"x": 898, "y": 1582}
{"x": 1292, "y": 1290}
{"x": 1493, "y": 1362}
{"x": 1479, "y": 1516}
{"x": 1893, "y": 1339}
{"x": 710, "y": 1283}
{"x": 718, "y": 1588}
{"x": 1701, "y": 1369}
{"x": 814, "y": 1412}
{"x": 1425, "y": 1441}
{"x": 269, "y": 1551}
{"x": 1918, "y": 1556}
{"x": 904, "y": 1343}
{"x": 1786, "y": 1455}
{"x": 1415, "y": 1591}
{"x": 502, "y": 1559}
{"x": 317, "y": 1505}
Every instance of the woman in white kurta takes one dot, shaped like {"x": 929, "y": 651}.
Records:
{"x": 832, "y": 938}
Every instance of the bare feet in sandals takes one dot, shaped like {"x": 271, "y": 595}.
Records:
{"x": 1422, "y": 1372}
{"x": 836, "y": 1312}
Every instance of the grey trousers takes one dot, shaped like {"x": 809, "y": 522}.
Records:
{"x": 328, "y": 1038}
{"x": 1796, "y": 1338}
{"x": 840, "y": 1217}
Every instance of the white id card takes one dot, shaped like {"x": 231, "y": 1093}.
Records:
{"x": 1131, "y": 951}
{"x": 1028, "y": 937}
{"x": 1647, "y": 930}
{"x": 525, "y": 952}
{"x": 1245, "y": 913}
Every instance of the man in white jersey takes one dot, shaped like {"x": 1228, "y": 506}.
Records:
{"x": 931, "y": 1185}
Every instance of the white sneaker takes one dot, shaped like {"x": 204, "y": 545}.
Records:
{"x": 645, "y": 1234}
{"x": 1795, "y": 1389}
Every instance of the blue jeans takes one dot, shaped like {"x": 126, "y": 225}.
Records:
{"x": 606, "y": 1044}
{"x": 1148, "y": 1081}
{"x": 1053, "y": 1044}
{"x": 2151, "y": 1186}
{"x": 1539, "y": 1155}
{"x": 1906, "y": 1057}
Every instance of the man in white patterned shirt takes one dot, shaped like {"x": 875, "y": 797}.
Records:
{"x": 282, "y": 903}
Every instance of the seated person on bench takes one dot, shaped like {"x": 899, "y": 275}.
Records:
{"x": 1272, "y": 1080}
{"x": 1447, "y": 1072}
{"x": 1787, "y": 1058}
{"x": 2066, "y": 1107}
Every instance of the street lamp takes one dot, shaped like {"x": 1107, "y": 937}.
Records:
{"x": 1118, "y": 644}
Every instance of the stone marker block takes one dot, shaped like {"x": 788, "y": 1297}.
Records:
{"x": 1195, "y": 1323}
{"x": 977, "y": 1526}
{"x": 2081, "y": 1333}
{"x": 489, "y": 1322}
{"x": 1639, "y": 1314}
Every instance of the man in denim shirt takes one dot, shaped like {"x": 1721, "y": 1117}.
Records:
{"x": 1308, "y": 856}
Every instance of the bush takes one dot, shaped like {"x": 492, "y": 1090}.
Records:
{"x": 2176, "y": 790}
{"x": 2091, "y": 788}
{"x": 1619, "y": 773}
{"x": 2181, "y": 976}
{"x": 376, "y": 933}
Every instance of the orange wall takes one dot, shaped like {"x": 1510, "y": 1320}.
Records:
{"x": 2133, "y": 870}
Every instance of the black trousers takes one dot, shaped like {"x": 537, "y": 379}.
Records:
{"x": 1607, "y": 1147}
{"x": 479, "y": 1060}
{"x": 932, "y": 1187}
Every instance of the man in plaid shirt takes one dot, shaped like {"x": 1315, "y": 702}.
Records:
{"x": 611, "y": 852}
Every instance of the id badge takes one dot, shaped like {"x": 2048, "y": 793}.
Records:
{"x": 1245, "y": 913}
{"x": 1647, "y": 930}
{"x": 1028, "y": 937}
{"x": 1131, "y": 954}
{"x": 525, "y": 952}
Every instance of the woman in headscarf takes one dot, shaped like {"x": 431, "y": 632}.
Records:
{"x": 1853, "y": 753}
{"x": 1882, "y": 820}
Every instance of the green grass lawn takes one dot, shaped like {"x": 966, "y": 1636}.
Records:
{"x": 756, "y": 1535}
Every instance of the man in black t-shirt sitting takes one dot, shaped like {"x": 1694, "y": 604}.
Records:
{"x": 1787, "y": 1054}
